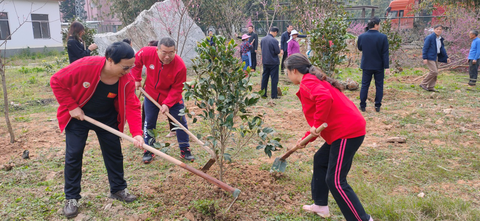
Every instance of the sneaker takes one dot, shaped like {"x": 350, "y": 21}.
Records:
{"x": 377, "y": 109}
{"x": 187, "y": 155}
{"x": 148, "y": 157}
{"x": 71, "y": 208}
{"x": 319, "y": 210}
{"x": 171, "y": 134}
{"x": 123, "y": 195}
{"x": 363, "y": 109}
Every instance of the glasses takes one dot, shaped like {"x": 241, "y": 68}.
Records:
{"x": 170, "y": 54}
{"x": 126, "y": 68}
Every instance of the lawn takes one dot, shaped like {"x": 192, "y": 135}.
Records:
{"x": 433, "y": 176}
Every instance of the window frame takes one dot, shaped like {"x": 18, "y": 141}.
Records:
{"x": 9, "y": 34}
{"x": 42, "y": 24}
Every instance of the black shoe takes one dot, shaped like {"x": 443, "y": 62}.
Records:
{"x": 362, "y": 109}
{"x": 424, "y": 88}
{"x": 71, "y": 208}
{"x": 123, "y": 195}
{"x": 148, "y": 157}
{"x": 187, "y": 155}
{"x": 377, "y": 109}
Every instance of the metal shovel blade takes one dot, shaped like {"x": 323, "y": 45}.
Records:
{"x": 278, "y": 165}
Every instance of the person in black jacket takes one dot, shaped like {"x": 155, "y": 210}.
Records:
{"x": 75, "y": 45}
{"x": 270, "y": 60}
{"x": 284, "y": 45}
{"x": 253, "y": 50}
{"x": 375, "y": 62}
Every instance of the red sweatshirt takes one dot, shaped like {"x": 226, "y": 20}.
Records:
{"x": 321, "y": 102}
{"x": 75, "y": 84}
{"x": 164, "y": 82}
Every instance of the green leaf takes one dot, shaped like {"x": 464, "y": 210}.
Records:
{"x": 227, "y": 157}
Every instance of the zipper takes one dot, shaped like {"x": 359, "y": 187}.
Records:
{"x": 124, "y": 104}
{"x": 158, "y": 78}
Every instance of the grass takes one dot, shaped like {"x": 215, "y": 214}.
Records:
{"x": 440, "y": 159}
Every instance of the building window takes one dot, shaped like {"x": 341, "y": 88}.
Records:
{"x": 41, "y": 28}
{"x": 4, "y": 27}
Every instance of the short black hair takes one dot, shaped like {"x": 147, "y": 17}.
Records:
{"x": 126, "y": 40}
{"x": 288, "y": 25}
{"x": 474, "y": 32}
{"x": 118, "y": 51}
{"x": 251, "y": 26}
{"x": 372, "y": 22}
{"x": 167, "y": 42}
{"x": 437, "y": 26}
{"x": 274, "y": 29}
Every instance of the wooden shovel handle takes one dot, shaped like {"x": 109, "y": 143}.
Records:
{"x": 170, "y": 159}
{"x": 303, "y": 142}
{"x": 210, "y": 151}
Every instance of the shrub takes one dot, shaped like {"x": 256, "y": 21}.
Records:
{"x": 225, "y": 97}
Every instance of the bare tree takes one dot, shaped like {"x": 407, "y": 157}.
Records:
{"x": 4, "y": 78}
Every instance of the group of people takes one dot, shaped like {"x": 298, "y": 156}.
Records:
{"x": 103, "y": 88}
{"x": 375, "y": 60}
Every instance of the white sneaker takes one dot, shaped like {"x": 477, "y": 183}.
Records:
{"x": 171, "y": 134}
{"x": 322, "y": 211}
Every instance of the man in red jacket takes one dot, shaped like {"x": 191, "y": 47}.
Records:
{"x": 166, "y": 74}
{"x": 103, "y": 89}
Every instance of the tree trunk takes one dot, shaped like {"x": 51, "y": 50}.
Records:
{"x": 5, "y": 101}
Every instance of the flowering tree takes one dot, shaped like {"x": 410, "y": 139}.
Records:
{"x": 458, "y": 23}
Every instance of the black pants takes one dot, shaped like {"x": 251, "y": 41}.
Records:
{"x": 76, "y": 136}
{"x": 367, "y": 75}
{"x": 284, "y": 57}
{"x": 473, "y": 71}
{"x": 270, "y": 70}
{"x": 331, "y": 165}
{"x": 253, "y": 65}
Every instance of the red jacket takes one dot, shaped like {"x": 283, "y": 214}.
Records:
{"x": 164, "y": 82}
{"x": 321, "y": 102}
{"x": 75, "y": 84}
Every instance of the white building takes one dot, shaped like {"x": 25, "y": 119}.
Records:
{"x": 30, "y": 23}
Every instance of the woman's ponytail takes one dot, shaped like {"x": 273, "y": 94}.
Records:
{"x": 302, "y": 64}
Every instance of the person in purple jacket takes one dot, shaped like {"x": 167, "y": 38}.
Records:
{"x": 293, "y": 46}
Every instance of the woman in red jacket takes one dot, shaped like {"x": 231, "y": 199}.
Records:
{"x": 323, "y": 102}
{"x": 103, "y": 89}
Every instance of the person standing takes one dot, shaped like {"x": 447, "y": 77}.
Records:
{"x": 103, "y": 89}
{"x": 293, "y": 46}
{"x": 244, "y": 49}
{"x": 253, "y": 40}
{"x": 323, "y": 102}
{"x": 270, "y": 60}
{"x": 166, "y": 73}
{"x": 432, "y": 53}
{"x": 375, "y": 62}
{"x": 473, "y": 57}
{"x": 75, "y": 45}
{"x": 284, "y": 45}
{"x": 210, "y": 38}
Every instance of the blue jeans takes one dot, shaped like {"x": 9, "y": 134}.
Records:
{"x": 245, "y": 58}
{"x": 379, "y": 75}
{"x": 151, "y": 115}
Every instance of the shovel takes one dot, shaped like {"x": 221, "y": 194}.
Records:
{"x": 280, "y": 164}
{"x": 224, "y": 186}
{"x": 210, "y": 151}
